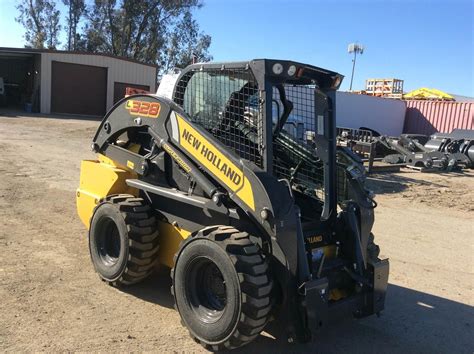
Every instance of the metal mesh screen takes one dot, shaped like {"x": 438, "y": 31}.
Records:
{"x": 226, "y": 103}
{"x": 294, "y": 156}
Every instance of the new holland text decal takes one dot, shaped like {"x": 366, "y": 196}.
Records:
{"x": 226, "y": 169}
{"x": 315, "y": 239}
{"x": 143, "y": 108}
{"x": 213, "y": 160}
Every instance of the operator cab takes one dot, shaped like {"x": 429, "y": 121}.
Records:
{"x": 273, "y": 114}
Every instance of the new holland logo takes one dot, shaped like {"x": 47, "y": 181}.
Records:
{"x": 204, "y": 151}
{"x": 210, "y": 156}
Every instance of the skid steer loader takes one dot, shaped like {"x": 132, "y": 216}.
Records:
{"x": 235, "y": 183}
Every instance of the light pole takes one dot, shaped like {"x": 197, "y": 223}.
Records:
{"x": 354, "y": 48}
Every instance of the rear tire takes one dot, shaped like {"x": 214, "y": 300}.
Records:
{"x": 123, "y": 240}
{"x": 221, "y": 288}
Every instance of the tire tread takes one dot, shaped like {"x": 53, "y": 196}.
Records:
{"x": 143, "y": 238}
{"x": 255, "y": 284}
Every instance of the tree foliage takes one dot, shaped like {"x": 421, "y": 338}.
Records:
{"x": 185, "y": 44}
{"x": 161, "y": 32}
{"x": 40, "y": 18}
{"x": 76, "y": 9}
{"x": 154, "y": 31}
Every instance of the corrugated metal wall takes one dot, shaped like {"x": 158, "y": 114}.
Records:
{"x": 428, "y": 117}
{"x": 118, "y": 71}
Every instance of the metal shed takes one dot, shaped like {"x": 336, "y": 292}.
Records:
{"x": 69, "y": 82}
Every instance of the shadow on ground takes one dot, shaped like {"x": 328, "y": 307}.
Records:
{"x": 155, "y": 289}
{"x": 412, "y": 322}
{"x": 387, "y": 183}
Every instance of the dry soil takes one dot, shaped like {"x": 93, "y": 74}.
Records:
{"x": 51, "y": 299}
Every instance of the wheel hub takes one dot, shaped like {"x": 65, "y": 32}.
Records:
{"x": 206, "y": 289}
{"x": 109, "y": 242}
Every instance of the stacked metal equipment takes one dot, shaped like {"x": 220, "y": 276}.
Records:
{"x": 441, "y": 153}
{"x": 459, "y": 145}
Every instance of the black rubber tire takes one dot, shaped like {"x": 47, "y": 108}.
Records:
{"x": 123, "y": 240}
{"x": 248, "y": 288}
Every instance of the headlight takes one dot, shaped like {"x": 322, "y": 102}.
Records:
{"x": 277, "y": 68}
{"x": 292, "y": 70}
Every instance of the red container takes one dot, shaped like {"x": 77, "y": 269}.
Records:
{"x": 428, "y": 117}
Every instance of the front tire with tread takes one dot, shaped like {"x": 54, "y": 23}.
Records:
{"x": 133, "y": 240}
{"x": 248, "y": 287}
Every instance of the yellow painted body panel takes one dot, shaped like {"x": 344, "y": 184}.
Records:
{"x": 100, "y": 178}
{"x": 337, "y": 294}
{"x": 170, "y": 239}
{"x": 330, "y": 252}
{"x": 103, "y": 177}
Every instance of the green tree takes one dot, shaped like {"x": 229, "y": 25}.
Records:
{"x": 40, "y": 18}
{"x": 162, "y": 32}
{"x": 53, "y": 28}
{"x": 185, "y": 45}
{"x": 98, "y": 30}
{"x": 76, "y": 9}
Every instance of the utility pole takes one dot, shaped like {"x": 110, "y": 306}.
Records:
{"x": 354, "y": 48}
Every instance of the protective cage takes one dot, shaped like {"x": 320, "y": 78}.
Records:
{"x": 226, "y": 103}
{"x": 230, "y": 103}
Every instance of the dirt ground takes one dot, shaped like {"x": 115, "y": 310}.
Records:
{"x": 51, "y": 299}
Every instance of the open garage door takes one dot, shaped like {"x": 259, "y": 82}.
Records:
{"x": 19, "y": 80}
{"x": 78, "y": 89}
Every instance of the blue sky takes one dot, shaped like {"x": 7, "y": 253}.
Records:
{"x": 426, "y": 43}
